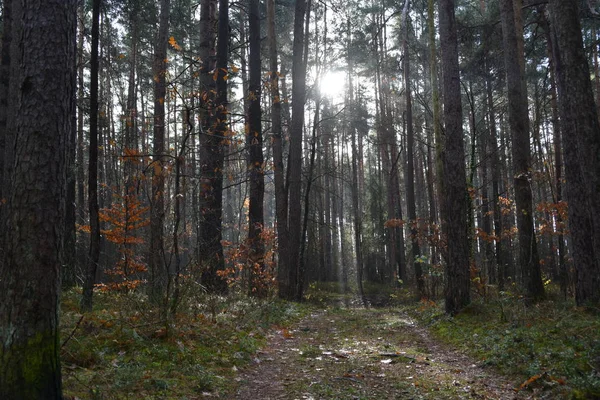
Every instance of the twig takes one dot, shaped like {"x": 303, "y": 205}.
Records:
{"x": 73, "y": 331}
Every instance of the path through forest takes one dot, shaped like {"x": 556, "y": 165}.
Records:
{"x": 346, "y": 353}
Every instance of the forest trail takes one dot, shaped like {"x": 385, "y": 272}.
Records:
{"x": 365, "y": 354}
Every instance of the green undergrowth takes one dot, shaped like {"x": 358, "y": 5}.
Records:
{"x": 122, "y": 349}
{"x": 551, "y": 347}
{"x": 332, "y": 294}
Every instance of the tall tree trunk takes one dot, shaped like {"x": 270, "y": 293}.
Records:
{"x": 519, "y": 126}
{"x": 410, "y": 171}
{"x": 295, "y": 161}
{"x": 486, "y": 220}
{"x": 211, "y": 169}
{"x": 356, "y": 209}
{"x": 254, "y": 141}
{"x": 80, "y": 119}
{"x": 94, "y": 208}
{"x": 581, "y": 148}
{"x": 33, "y": 253}
{"x": 4, "y": 93}
{"x": 206, "y": 117}
{"x": 558, "y": 163}
{"x": 454, "y": 206}
{"x": 69, "y": 267}
{"x": 131, "y": 109}
{"x": 496, "y": 181}
{"x": 158, "y": 272}
{"x": 278, "y": 166}
{"x": 391, "y": 157}
{"x": 435, "y": 98}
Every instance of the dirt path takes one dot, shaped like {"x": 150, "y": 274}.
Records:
{"x": 365, "y": 354}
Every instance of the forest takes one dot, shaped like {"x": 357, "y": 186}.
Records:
{"x": 285, "y": 199}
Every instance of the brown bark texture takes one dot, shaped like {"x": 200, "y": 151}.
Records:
{"x": 579, "y": 118}
{"x": 33, "y": 252}
{"x": 454, "y": 204}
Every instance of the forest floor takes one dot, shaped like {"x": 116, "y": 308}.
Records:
{"x": 329, "y": 347}
{"x": 358, "y": 353}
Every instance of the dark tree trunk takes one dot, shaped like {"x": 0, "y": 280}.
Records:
{"x": 581, "y": 148}
{"x": 69, "y": 270}
{"x": 356, "y": 209}
{"x": 94, "y": 209}
{"x": 33, "y": 253}
{"x": 389, "y": 150}
{"x": 254, "y": 141}
{"x": 4, "y": 92}
{"x": 80, "y": 119}
{"x": 519, "y": 126}
{"x": 454, "y": 204}
{"x": 496, "y": 181}
{"x": 158, "y": 269}
{"x": 558, "y": 162}
{"x": 130, "y": 142}
{"x": 278, "y": 166}
{"x": 410, "y": 172}
{"x": 206, "y": 111}
{"x": 211, "y": 167}
{"x": 295, "y": 162}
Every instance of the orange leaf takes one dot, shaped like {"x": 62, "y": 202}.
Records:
{"x": 530, "y": 381}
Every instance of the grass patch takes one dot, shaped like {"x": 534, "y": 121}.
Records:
{"x": 551, "y": 347}
{"x": 121, "y": 350}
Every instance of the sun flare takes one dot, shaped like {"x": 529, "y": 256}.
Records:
{"x": 333, "y": 84}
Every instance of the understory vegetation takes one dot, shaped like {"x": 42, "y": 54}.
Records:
{"x": 123, "y": 350}
{"x": 550, "y": 346}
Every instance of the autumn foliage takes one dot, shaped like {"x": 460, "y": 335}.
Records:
{"x": 241, "y": 265}
{"x": 123, "y": 220}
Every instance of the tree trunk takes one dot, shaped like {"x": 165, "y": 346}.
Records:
{"x": 414, "y": 259}
{"x": 158, "y": 269}
{"x": 4, "y": 93}
{"x": 454, "y": 206}
{"x": 32, "y": 257}
{"x": 519, "y": 126}
{"x": 357, "y": 216}
{"x": 563, "y": 272}
{"x": 254, "y": 141}
{"x": 94, "y": 208}
{"x": 80, "y": 120}
{"x": 295, "y": 162}
{"x": 211, "y": 168}
{"x": 581, "y": 148}
{"x": 277, "y": 144}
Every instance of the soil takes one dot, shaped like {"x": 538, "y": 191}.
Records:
{"x": 357, "y": 353}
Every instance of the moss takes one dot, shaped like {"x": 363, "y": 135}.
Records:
{"x": 32, "y": 370}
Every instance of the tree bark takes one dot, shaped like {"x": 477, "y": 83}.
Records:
{"x": 211, "y": 168}
{"x": 94, "y": 208}
{"x": 254, "y": 141}
{"x": 581, "y": 148}
{"x": 157, "y": 266}
{"x": 519, "y": 126}
{"x": 4, "y": 92}
{"x": 410, "y": 172}
{"x": 33, "y": 253}
{"x": 454, "y": 206}
{"x": 278, "y": 166}
{"x": 295, "y": 161}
